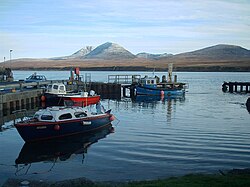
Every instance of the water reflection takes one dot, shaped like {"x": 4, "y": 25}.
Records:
{"x": 57, "y": 150}
{"x": 153, "y": 101}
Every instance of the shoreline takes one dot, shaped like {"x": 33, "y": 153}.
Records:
{"x": 234, "y": 177}
{"x": 146, "y": 69}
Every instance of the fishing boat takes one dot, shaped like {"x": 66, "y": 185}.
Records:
{"x": 56, "y": 121}
{"x": 152, "y": 85}
{"x": 56, "y": 94}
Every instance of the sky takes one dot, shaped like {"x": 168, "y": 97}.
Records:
{"x": 53, "y": 28}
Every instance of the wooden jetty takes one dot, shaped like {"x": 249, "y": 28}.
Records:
{"x": 240, "y": 87}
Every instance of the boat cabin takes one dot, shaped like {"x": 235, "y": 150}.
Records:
{"x": 56, "y": 88}
{"x": 148, "y": 81}
{"x": 53, "y": 114}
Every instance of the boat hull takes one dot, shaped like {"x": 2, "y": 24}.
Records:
{"x": 77, "y": 100}
{"x": 48, "y": 130}
{"x": 140, "y": 90}
{"x": 83, "y": 101}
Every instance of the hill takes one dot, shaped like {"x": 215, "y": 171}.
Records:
{"x": 109, "y": 51}
{"x": 217, "y": 52}
{"x": 110, "y": 56}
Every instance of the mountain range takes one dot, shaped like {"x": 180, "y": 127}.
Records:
{"x": 110, "y": 51}
{"x": 110, "y": 56}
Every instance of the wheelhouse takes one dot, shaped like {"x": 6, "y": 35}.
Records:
{"x": 56, "y": 88}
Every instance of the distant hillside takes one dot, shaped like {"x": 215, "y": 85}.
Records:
{"x": 152, "y": 56}
{"x": 217, "y": 52}
{"x": 109, "y": 51}
{"x": 110, "y": 56}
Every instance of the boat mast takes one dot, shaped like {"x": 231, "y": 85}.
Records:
{"x": 170, "y": 70}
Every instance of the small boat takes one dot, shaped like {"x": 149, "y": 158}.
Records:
{"x": 35, "y": 78}
{"x": 82, "y": 99}
{"x": 56, "y": 94}
{"x": 56, "y": 121}
{"x": 152, "y": 85}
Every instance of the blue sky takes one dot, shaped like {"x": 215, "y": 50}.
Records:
{"x": 50, "y": 28}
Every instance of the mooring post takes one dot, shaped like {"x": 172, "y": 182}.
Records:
{"x": 235, "y": 86}
{"x": 230, "y": 87}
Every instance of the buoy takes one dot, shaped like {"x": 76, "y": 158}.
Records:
{"x": 162, "y": 92}
{"x": 112, "y": 118}
{"x": 57, "y": 127}
{"x": 43, "y": 98}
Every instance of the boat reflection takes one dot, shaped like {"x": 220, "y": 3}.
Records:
{"x": 59, "y": 149}
{"x": 168, "y": 102}
{"x": 156, "y": 98}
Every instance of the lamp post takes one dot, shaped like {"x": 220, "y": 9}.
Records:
{"x": 10, "y": 54}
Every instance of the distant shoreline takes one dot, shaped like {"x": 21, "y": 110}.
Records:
{"x": 176, "y": 69}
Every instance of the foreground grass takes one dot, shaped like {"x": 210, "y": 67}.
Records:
{"x": 197, "y": 180}
{"x": 192, "y": 180}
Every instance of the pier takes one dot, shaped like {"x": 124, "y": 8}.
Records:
{"x": 240, "y": 87}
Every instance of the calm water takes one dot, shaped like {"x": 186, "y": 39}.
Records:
{"x": 204, "y": 131}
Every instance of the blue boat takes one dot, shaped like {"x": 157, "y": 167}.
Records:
{"x": 55, "y": 122}
{"x": 151, "y": 86}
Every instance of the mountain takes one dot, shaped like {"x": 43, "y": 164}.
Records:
{"x": 152, "y": 56}
{"x": 217, "y": 52}
{"x": 110, "y": 56}
{"x": 82, "y": 52}
{"x": 109, "y": 51}
{"x": 77, "y": 55}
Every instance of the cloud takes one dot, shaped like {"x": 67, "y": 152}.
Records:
{"x": 177, "y": 26}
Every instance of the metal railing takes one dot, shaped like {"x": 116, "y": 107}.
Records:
{"x": 123, "y": 79}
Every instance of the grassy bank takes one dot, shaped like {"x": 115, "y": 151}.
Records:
{"x": 239, "y": 178}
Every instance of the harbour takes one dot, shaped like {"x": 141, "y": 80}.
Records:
{"x": 204, "y": 131}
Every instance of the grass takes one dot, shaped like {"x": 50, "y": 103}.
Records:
{"x": 192, "y": 180}
{"x": 196, "y": 180}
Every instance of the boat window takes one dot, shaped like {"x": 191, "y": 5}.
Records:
{"x": 55, "y": 87}
{"x": 152, "y": 81}
{"x": 46, "y": 117}
{"x": 80, "y": 114}
{"x": 61, "y": 88}
{"x": 65, "y": 116}
{"x": 148, "y": 81}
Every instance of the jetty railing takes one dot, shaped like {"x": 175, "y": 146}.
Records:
{"x": 123, "y": 79}
{"x": 242, "y": 87}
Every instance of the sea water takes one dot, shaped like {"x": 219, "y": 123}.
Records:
{"x": 205, "y": 131}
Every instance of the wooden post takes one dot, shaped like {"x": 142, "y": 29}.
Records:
{"x": 235, "y": 86}
{"x": 241, "y": 88}
{"x": 230, "y": 87}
